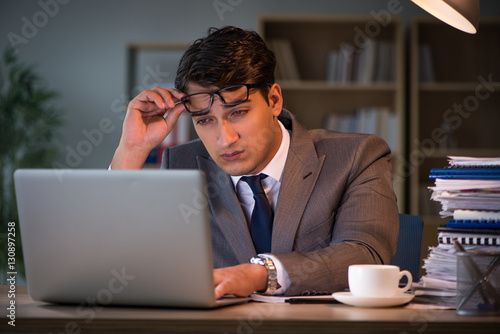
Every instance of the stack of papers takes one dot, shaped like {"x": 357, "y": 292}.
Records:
{"x": 439, "y": 285}
{"x": 469, "y": 192}
{"x": 468, "y": 184}
{"x": 455, "y": 161}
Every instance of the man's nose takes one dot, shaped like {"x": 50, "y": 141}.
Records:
{"x": 227, "y": 134}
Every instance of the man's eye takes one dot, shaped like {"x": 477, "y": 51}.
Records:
{"x": 239, "y": 112}
{"x": 202, "y": 121}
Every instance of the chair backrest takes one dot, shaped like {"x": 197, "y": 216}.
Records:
{"x": 409, "y": 246}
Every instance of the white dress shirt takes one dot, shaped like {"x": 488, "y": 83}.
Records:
{"x": 271, "y": 185}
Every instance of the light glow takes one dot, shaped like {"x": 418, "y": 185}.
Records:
{"x": 446, "y": 13}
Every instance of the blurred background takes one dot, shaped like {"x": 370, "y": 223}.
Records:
{"x": 80, "y": 51}
{"x": 96, "y": 54}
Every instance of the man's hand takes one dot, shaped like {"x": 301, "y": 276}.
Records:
{"x": 145, "y": 126}
{"x": 241, "y": 280}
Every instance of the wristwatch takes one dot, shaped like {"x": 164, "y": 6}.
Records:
{"x": 272, "y": 276}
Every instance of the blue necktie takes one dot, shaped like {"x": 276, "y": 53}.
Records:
{"x": 261, "y": 223}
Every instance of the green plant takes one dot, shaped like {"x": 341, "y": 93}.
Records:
{"x": 28, "y": 127}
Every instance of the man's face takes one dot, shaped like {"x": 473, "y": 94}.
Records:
{"x": 241, "y": 139}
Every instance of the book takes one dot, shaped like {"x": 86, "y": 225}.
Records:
{"x": 332, "y": 59}
{"x": 346, "y": 62}
{"x": 385, "y": 68}
{"x": 426, "y": 64}
{"x": 367, "y": 63}
{"x": 286, "y": 64}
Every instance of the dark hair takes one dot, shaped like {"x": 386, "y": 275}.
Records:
{"x": 227, "y": 56}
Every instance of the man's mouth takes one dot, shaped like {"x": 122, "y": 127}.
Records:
{"x": 230, "y": 156}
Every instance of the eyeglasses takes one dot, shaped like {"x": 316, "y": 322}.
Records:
{"x": 199, "y": 103}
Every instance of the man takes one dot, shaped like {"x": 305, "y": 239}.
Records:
{"x": 331, "y": 197}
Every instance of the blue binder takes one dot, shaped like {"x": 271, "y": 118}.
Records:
{"x": 474, "y": 224}
{"x": 465, "y": 173}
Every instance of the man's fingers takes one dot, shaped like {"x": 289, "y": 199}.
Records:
{"x": 157, "y": 98}
{"x": 222, "y": 284}
{"x": 170, "y": 96}
{"x": 147, "y": 100}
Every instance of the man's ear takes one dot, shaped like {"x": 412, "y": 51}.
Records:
{"x": 275, "y": 99}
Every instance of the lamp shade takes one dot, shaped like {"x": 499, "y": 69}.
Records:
{"x": 461, "y": 14}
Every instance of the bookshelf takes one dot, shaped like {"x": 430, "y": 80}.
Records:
{"x": 338, "y": 67}
{"x": 455, "y": 101}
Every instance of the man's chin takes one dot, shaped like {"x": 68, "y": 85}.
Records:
{"x": 235, "y": 169}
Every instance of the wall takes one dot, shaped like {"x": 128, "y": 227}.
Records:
{"x": 79, "y": 47}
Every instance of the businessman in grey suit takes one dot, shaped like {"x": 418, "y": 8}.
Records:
{"x": 329, "y": 195}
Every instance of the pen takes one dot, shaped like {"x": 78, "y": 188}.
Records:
{"x": 311, "y": 301}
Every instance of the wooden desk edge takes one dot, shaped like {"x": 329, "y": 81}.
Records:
{"x": 40, "y": 317}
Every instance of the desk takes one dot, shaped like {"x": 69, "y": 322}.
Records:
{"x": 251, "y": 317}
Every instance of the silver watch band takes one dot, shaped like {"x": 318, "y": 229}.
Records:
{"x": 272, "y": 275}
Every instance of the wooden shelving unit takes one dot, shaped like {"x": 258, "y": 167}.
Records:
{"x": 455, "y": 104}
{"x": 312, "y": 97}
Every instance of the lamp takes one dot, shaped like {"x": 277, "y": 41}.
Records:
{"x": 461, "y": 14}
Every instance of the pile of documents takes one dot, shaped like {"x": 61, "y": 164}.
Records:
{"x": 469, "y": 189}
{"x": 469, "y": 194}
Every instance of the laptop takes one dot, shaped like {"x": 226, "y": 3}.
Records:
{"x": 129, "y": 237}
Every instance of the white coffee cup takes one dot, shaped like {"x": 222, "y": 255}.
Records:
{"x": 377, "y": 281}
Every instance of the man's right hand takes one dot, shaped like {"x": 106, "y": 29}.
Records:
{"x": 145, "y": 126}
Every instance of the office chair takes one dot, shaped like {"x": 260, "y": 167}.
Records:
{"x": 409, "y": 245}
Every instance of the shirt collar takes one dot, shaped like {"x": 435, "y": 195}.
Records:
{"x": 275, "y": 167}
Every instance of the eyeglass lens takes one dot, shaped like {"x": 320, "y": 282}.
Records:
{"x": 229, "y": 96}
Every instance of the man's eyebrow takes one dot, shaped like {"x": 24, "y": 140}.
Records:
{"x": 239, "y": 104}
{"x": 193, "y": 115}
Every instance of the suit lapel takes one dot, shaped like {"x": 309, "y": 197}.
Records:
{"x": 300, "y": 175}
{"x": 226, "y": 210}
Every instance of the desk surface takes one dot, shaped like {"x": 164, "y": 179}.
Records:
{"x": 251, "y": 317}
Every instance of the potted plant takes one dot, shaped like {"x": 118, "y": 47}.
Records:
{"x": 28, "y": 127}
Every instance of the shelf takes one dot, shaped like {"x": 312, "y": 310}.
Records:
{"x": 473, "y": 152}
{"x": 454, "y": 86}
{"x": 334, "y": 86}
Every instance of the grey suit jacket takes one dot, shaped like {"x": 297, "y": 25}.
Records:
{"x": 336, "y": 206}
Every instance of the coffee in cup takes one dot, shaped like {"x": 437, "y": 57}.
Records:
{"x": 377, "y": 280}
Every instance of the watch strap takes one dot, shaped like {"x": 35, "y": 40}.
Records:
{"x": 272, "y": 275}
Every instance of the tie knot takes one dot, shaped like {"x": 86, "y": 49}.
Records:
{"x": 254, "y": 182}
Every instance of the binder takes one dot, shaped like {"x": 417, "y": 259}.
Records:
{"x": 474, "y": 224}
{"x": 465, "y": 173}
{"x": 448, "y": 238}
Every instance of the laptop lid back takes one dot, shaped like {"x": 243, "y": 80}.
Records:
{"x": 116, "y": 237}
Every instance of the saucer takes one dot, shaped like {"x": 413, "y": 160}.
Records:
{"x": 349, "y": 299}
